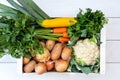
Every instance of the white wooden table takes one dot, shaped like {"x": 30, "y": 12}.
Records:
{"x": 111, "y": 8}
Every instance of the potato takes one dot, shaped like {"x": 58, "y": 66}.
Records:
{"x": 61, "y": 65}
{"x": 40, "y": 68}
{"x": 26, "y": 60}
{"x": 29, "y": 67}
{"x": 66, "y": 53}
{"x": 50, "y": 44}
{"x": 56, "y": 52}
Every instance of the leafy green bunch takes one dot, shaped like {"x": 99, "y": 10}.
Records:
{"x": 17, "y": 35}
{"x": 77, "y": 67}
{"x": 89, "y": 25}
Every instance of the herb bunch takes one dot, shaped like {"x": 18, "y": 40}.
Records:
{"x": 18, "y": 36}
{"x": 89, "y": 26}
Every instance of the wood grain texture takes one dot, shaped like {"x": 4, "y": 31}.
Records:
{"x": 113, "y": 29}
{"x": 63, "y": 8}
{"x": 113, "y": 51}
{"x": 11, "y": 74}
{"x": 71, "y": 7}
{"x": 7, "y": 58}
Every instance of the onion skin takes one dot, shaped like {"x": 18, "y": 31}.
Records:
{"x": 40, "y": 68}
{"x": 50, "y": 65}
{"x": 61, "y": 65}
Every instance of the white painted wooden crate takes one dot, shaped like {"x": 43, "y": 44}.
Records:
{"x": 102, "y": 58}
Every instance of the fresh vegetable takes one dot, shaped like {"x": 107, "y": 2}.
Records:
{"x": 57, "y": 22}
{"x": 63, "y": 39}
{"x": 74, "y": 67}
{"x": 43, "y": 43}
{"x": 29, "y": 8}
{"x": 40, "y": 68}
{"x": 53, "y": 34}
{"x": 86, "y": 57}
{"x": 71, "y": 43}
{"x": 61, "y": 65}
{"x": 50, "y": 44}
{"x": 37, "y": 9}
{"x": 19, "y": 37}
{"x": 48, "y": 34}
{"x": 65, "y": 34}
{"x": 88, "y": 24}
{"x": 56, "y": 52}
{"x": 66, "y": 53}
{"x": 18, "y": 7}
{"x": 26, "y": 60}
{"x": 7, "y": 9}
{"x": 60, "y": 30}
{"x": 29, "y": 67}
{"x": 43, "y": 57}
{"x": 50, "y": 65}
{"x": 86, "y": 52}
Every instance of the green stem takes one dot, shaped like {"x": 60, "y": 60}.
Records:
{"x": 42, "y": 30}
{"x": 8, "y": 14}
{"x": 30, "y": 10}
{"x": 7, "y": 8}
{"x": 37, "y": 9}
{"x": 51, "y": 34}
{"x": 47, "y": 37}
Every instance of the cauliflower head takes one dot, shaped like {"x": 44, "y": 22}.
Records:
{"x": 86, "y": 52}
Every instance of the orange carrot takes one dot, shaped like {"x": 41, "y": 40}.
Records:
{"x": 65, "y": 34}
{"x": 63, "y": 39}
{"x": 59, "y": 30}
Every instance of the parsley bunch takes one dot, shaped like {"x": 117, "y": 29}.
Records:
{"x": 89, "y": 26}
{"x": 18, "y": 37}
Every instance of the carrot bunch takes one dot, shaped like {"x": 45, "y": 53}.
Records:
{"x": 58, "y": 34}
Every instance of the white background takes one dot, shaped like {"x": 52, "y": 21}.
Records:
{"x": 111, "y": 8}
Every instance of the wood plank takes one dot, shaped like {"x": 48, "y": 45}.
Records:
{"x": 8, "y": 71}
{"x": 113, "y": 29}
{"x": 71, "y": 7}
{"x": 113, "y": 51}
{"x": 7, "y": 58}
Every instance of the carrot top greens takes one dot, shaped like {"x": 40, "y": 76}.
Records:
{"x": 89, "y": 25}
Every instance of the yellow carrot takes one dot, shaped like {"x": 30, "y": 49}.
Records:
{"x": 57, "y": 22}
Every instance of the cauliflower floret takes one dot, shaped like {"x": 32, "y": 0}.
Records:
{"x": 86, "y": 51}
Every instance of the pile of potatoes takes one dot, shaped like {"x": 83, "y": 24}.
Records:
{"x": 56, "y": 57}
